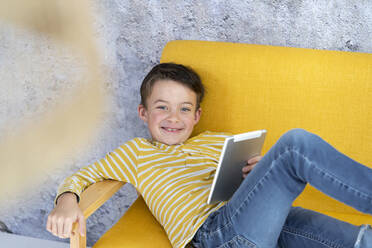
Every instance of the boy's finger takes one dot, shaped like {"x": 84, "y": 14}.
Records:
{"x": 49, "y": 225}
{"x": 67, "y": 229}
{"x": 254, "y": 159}
{"x": 247, "y": 168}
{"x": 60, "y": 228}
{"x": 54, "y": 228}
{"x": 81, "y": 221}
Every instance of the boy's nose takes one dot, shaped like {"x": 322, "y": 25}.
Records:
{"x": 173, "y": 117}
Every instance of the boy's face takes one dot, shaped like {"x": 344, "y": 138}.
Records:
{"x": 171, "y": 112}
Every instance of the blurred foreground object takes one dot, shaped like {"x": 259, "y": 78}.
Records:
{"x": 45, "y": 143}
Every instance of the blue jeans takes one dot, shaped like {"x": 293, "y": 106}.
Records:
{"x": 260, "y": 213}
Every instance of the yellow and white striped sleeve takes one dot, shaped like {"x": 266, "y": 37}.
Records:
{"x": 119, "y": 164}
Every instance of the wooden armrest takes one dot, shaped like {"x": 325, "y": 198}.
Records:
{"x": 90, "y": 200}
{"x": 97, "y": 194}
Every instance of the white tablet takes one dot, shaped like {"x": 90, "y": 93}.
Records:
{"x": 236, "y": 151}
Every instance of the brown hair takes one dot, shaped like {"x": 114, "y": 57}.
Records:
{"x": 176, "y": 72}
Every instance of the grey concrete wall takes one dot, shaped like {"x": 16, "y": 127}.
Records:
{"x": 133, "y": 34}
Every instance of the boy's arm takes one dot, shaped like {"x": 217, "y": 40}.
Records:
{"x": 119, "y": 165}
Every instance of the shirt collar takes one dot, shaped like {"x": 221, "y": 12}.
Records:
{"x": 163, "y": 146}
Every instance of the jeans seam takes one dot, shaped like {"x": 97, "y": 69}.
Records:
{"x": 240, "y": 238}
{"x": 311, "y": 236}
{"x": 335, "y": 178}
{"x": 219, "y": 228}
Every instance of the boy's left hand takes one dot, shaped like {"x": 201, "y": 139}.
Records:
{"x": 251, "y": 163}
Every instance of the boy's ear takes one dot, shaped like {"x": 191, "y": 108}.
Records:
{"x": 142, "y": 112}
{"x": 198, "y": 115}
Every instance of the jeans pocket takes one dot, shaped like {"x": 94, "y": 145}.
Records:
{"x": 238, "y": 241}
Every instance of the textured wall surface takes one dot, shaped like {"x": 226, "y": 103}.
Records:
{"x": 132, "y": 35}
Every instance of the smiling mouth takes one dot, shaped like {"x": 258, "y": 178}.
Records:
{"x": 172, "y": 130}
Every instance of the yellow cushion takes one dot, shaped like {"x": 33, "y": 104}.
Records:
{"x": 275, "y": 88}
{"x": 136, "y": 229}
{"x": 278, "y": 88}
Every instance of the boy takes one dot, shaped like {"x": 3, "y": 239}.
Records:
{"x": 170, "y": 105}
{"x": 174, "y": 173}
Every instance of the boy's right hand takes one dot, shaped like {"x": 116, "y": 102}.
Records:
{"x": 64, "y": 214}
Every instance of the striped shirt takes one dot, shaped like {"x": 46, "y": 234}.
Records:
{"x": 173, "y": 180}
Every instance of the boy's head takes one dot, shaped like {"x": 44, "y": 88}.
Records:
{"x": 174, "y": 72}
{"x": 170, "y": 102}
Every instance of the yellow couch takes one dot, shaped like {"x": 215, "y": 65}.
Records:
{"x": 253, "y": 87}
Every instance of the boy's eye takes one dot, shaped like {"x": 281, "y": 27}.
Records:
{"x": 186, "y": 109}
{"x": 161, "y": 107}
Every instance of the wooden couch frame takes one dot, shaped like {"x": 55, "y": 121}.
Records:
{"x": 90, "y": 200}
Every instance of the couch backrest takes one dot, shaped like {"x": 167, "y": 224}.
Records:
{"x": 253, "y": 87}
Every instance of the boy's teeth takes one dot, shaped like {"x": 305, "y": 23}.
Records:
{"x": 171, "y": 129}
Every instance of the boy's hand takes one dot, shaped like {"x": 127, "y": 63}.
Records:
{"x": 65, "y": 213}
{"x": 251, "y": 163}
